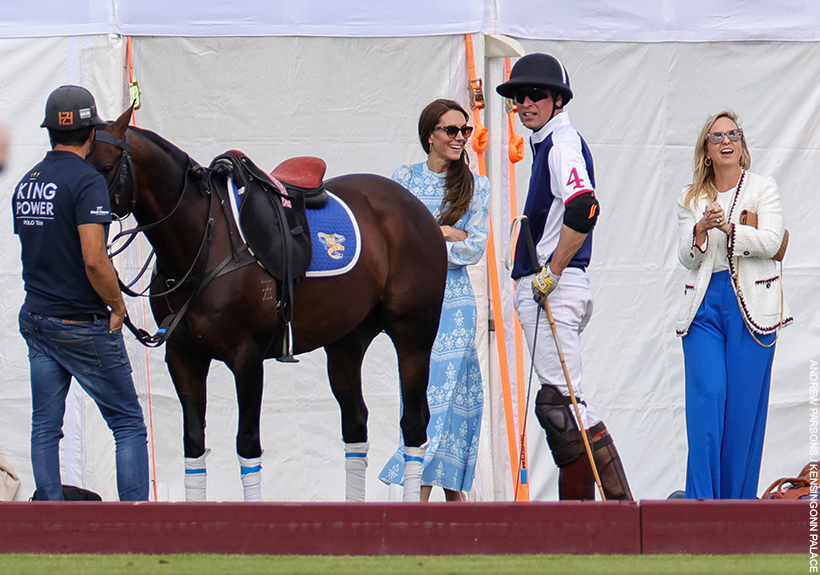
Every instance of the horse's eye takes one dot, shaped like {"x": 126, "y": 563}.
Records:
{"x": 107, "y": 168}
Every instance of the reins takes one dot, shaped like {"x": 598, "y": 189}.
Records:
{"x": 172, "y": 320}
{"x": 116, "y": 186}
{"x": 132, "y": 234}
{"x": 193, "y": 166}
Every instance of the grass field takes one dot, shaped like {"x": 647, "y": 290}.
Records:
{"x": 13, "y": 564}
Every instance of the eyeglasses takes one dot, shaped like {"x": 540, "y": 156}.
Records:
{"x": 533, "y": 94}
{"x": 452, "y": 131}
{"x": 717, "y": 137}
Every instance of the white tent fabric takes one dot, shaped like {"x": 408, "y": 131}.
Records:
{"x": 353, "y": 99}
{"x": 661, "y": 21}
{"x": 354, "y": 18}
{"x": 591, "y": 20}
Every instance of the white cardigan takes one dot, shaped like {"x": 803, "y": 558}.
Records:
{"x": 749, "y": 250}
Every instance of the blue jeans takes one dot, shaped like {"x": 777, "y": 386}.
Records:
{"x": 95, "y": 356}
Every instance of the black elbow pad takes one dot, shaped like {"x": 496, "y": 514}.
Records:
{"x": 581, "y": 213}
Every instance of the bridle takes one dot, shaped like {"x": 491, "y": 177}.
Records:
{"x": 125, "y": 174}
{"x": 122, "y": 176}
{"x": 125, "y": 169}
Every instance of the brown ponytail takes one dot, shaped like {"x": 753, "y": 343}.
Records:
{"x": 459, "y": 181}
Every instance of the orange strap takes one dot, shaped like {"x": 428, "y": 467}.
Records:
{"x": 516, "y": 154}
{"x": 480, "y": 141}
{"x": 515, "y": 143}
{"x": 129, "y": 58}
{"x": 133, "y": 85}
{"x": 481, "y": 136}
{"x": 501, "y": 345}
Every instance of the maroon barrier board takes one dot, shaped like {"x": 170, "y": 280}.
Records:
{"x": 320, "y": 528}
{"x": 698, "y": 527}
{"x": 725, "y": 527}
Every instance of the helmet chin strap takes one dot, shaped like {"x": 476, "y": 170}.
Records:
{"x": 556, "y": 110}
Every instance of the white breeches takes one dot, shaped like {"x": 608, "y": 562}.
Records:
{"x": 571, "y": 305}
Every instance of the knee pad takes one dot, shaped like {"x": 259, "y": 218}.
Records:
{"x": 554, "y": 412}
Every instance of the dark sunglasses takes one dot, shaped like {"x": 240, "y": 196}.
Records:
{"x": 452, "y": 131}
{"x": 533, "y": 94}
{"x": 717, "y": 137}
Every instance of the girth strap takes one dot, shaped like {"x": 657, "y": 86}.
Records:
{"x": 171, "y": 321}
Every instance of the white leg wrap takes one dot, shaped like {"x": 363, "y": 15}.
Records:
{"x": 355, "y": 467}
{"x": 196, "y": 478}
{"x": 251, "y": 470}
{"x": 413, "y": 467}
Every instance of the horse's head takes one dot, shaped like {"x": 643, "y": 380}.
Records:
{"x": 111, "y": 155}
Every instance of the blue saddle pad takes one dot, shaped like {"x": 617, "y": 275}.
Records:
{"x": 335, "y": 238}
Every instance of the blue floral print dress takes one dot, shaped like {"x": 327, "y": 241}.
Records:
{"x": 454, "y": 392}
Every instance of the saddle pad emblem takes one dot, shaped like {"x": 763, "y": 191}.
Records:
{"x": 333, "y": 243}
{"x": 336, "y": 238}
{"x": 335, "y": 234}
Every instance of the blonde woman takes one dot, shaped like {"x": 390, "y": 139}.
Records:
{"x": 731, "y": 312}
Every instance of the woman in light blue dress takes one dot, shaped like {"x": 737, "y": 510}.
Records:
{"x": 459, "y": 201}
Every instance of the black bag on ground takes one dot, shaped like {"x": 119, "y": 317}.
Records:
{"x": 73, "y": 493}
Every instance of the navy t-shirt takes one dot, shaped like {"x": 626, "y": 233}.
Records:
{"x": 57, "y": 195}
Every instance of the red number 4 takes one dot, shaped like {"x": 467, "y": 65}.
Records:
{"x": 574, "y": 180}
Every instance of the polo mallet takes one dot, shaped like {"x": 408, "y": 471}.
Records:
{"x": 522, "y": 460}
{"x": 525, "y": 228}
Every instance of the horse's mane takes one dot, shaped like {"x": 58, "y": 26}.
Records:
{"x": 176, "y": 154}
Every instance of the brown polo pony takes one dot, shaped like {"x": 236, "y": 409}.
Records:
{"x": 397, "y": 286}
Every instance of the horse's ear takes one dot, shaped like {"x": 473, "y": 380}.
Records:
{"x": 120, "y": 125}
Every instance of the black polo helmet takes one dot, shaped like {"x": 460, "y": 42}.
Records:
{"x": 537, "y": 71}
{"x": 71, "y": 108}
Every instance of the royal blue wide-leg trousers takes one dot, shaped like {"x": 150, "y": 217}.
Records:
{"x": 727, "y": 395}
